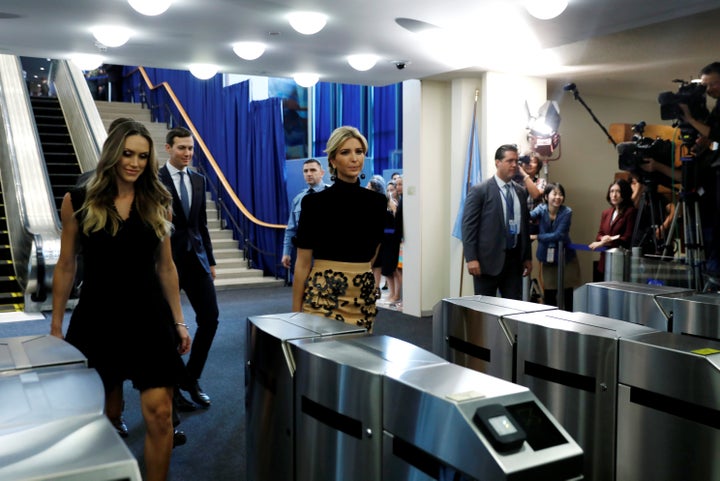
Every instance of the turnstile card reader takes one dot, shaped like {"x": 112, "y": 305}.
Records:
{"x": 694, "y": 313}
{"x": 449, "y": 422}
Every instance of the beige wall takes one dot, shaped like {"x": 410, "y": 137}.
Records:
{"x": 436, "y": 123}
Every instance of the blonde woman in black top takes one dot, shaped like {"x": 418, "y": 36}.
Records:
{"x": 338, "y": 238}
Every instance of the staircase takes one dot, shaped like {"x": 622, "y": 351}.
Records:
{"x": 231, "y": 270}
{"x": 11, "y": 295}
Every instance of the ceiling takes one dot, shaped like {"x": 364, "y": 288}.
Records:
{"x": 631, "y": 48}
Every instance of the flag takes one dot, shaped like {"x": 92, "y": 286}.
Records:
{"x": 472, "y": 172}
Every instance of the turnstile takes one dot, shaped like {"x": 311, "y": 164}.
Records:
{"x": 446, "y": 422}
{"x": 668, "y": 409}
{"x": 626, "y": 301}
{"x": 378, "y": 408}
{"x": 52, "y": 427}
{"x": 696, "y": 314}
{"x": 269, "y": 388}
{"x": 23, "y": 353}
{"x": 569, "y": 360}
{"x": 475, "y": 332}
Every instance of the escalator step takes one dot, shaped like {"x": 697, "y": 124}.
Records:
{"x": 5, "y": 308}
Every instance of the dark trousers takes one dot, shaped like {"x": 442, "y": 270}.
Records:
{"x": 200, "y": 290}
{"x": 508, "y": 282}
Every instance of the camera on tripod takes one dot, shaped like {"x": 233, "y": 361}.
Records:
{"x": 691, "y": 94}
{"x": 632, "y": 154}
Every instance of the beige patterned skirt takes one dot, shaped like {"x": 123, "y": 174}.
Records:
{"x": 344, "y": 291}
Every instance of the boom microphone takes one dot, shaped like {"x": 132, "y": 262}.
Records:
{"x": 569, "y": 87}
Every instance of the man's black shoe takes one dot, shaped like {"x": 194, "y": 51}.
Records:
{"x": 179, "y": 438}
{"x": 197, "y": 395}
{"x": 182, "y": 404}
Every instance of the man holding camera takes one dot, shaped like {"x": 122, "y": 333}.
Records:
{"x": 710, "y": 127}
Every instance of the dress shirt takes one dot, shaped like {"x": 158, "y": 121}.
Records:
{"x": 175, "y": 175}
{"x": 516, "y": 202}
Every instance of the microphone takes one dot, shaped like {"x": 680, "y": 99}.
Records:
{"x": 570, "y": 86}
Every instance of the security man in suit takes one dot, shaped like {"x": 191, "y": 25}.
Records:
{"x": 495, "y": 232}
{"x": 193, "y": 255}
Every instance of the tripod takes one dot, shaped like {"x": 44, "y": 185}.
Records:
{"x": 692, "y": 223}
{"x": 649, "y": 218}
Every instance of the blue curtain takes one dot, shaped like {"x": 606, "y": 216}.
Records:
{"x": 244, "y": 140}
{"x": 267, "y": 172}
{"x": 387, "y": 124}
{"x": 324, "y": 115}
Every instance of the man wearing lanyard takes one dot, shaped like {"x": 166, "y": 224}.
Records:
{"x": 495, "y": 230}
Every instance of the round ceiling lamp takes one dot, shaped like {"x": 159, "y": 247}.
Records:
{"x": 545, "y": 9}
{"x": 307, "y": 23}
{"x": 306, "y": 79}
{"x": 86, "y": 61}
{"x": 111, "y": 36}
{"x": 249, "y": 50}
{"x": 150, "y": 8}
{"x": 362, "y": 62}
{"x": 203, "y": 71}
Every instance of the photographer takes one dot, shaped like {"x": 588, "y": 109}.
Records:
{"x": 710, "y": 127}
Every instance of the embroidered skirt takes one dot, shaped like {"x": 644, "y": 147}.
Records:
{"x": 344, "y": 291}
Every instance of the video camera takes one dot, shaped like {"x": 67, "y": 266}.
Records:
{"x": 631, "y": 155}
{"x": 691, "y": 94}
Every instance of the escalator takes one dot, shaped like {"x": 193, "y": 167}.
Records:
{"x": 11, "y": 294}
{"x": 62, "y": 164}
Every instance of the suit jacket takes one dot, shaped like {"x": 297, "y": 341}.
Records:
{"x": 483, "y": 226}
{"x": 190, "y": 234}
{"x": 624, "y": 224}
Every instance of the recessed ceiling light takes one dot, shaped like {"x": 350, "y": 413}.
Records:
{"x": 545, "y": 9}
{"x": 203, "y": 71}
{"x": 111, "y": 36}
{"x": 86, "y": 61}
{"x": 307, "y": 23}
{"x": 306, "y": 79}
{"x": 249, "y": 50}
{"x": 150, "y": 7}
{"x": 362, "y": 62}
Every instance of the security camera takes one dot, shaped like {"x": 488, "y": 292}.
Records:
{"x": 401, "y": 64}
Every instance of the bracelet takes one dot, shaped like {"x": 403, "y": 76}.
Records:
{"x": 181, "y": 324}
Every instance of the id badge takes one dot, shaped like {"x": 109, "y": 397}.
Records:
{"x": 512, "y": 227}
{"x": 550, "y": 255}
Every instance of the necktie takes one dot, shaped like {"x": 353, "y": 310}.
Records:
{"x": 510, "y": 215}
{"x": 311, "y": 190}
{"x": 184, "y": 198}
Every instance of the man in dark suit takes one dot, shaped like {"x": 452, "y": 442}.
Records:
{"x": 495, "y": 230}
{"x": 192, "y": 253}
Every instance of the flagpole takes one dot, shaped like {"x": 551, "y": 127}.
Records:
{"x": 467, "y": 180}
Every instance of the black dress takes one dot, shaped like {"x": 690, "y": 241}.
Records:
{"x": 122, "y": 322}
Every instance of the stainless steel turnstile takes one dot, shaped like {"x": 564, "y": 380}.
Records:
{"x": 52, "y": 427}
{"x": 269, "y": 388}
{"x": 338, "y": 404}
{"x": 23, "y": 353}
{"x": 693, "y": 313}
{"x": 668, "y": 408}
{"x": 569, "y": 360}
{"x": 436, "y": 428}
{"x": 626, "y": 301}
{"x": 475, "y": 332}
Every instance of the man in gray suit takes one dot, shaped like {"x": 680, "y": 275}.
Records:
{"x": 495, "y": 230}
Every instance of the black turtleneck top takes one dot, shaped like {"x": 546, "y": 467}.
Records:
{"x": 344, "y": 222}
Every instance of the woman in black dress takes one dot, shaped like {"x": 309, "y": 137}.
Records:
{"x": 128, "y": 321}
{"x": 338, "y": 238}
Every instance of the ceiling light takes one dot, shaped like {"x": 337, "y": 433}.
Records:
{"x": 306, "y": 79}
{"x": 150, "y": 7}
{"x": 248, "y": 50}
{"x": 111, "y": 36}
{"x": 307, "y": 23}
{"x": 203, "y": 71}
{"x": 545, "y": 9}
{"x": 86, "y": 61}
{"x": 362, "y": 62}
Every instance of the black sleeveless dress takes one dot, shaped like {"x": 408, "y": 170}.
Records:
{"x": 122, "y": 322}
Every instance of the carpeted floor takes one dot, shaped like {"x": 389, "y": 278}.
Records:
{"x": 215, "y": 450}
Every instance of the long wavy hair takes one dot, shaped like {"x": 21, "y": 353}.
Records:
{"x": 152, "y": 199}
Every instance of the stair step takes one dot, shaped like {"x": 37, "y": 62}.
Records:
{"x": 251, "y": 282}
